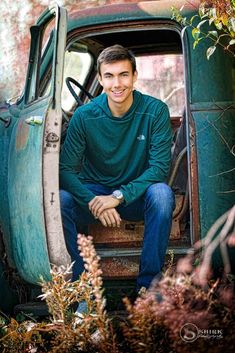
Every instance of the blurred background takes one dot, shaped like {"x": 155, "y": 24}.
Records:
{"x": 16, "y": 18}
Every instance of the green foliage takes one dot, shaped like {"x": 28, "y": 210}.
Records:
{"x": 214, "y": 14}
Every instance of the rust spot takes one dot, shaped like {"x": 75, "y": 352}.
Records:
{"x": 22, "y": 133}
{"x": 194, "y": 182}
{"x": 159, "y": 7}
{"x": 175, "y": 230}
{"x": 130, "y": 234}
{"x": 120, "y": 267}
{"x": 113, "y": 10}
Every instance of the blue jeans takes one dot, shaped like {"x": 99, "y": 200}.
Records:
{"x": 155, "y": 208}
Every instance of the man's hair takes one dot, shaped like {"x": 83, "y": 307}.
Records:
{"x": 115, "y": 53}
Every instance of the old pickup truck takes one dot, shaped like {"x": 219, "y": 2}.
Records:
{"x": 62, "y": 75}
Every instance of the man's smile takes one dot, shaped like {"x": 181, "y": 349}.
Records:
{"x": 118, "y": 93}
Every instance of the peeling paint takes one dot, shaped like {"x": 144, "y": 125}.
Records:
{"x": 120, "y": 267}
{"x": 22, "y": 134}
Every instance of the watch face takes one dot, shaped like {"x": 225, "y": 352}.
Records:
{"x": 118, "y": 194}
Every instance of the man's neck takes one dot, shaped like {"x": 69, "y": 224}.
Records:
{"x": 120, "y": 109}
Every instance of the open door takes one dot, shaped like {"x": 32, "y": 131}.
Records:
{"x": 33, "y": 190}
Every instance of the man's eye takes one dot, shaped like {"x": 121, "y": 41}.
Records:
{"x": 125, "y": 74}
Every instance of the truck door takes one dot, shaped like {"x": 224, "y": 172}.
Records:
{"x": 37, "y": 234}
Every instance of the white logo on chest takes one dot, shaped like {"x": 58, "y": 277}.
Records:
{"x": 141, "y": 137}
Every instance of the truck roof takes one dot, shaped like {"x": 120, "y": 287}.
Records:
{"x": 129, "y": 12}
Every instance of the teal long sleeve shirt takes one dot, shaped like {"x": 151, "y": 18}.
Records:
{"x": 128, "y": 153}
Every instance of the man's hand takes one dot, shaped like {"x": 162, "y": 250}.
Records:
{"x": 101, "y": 203}
{"x": 110, "y": 218}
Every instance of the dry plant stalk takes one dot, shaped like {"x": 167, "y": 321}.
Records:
{"x": 92, "y": 278}
{"x": 91, "y": 332}
{"x": 221, "y": 235}
{"x": 60, "y": 294}
{"x": 156, "y": 319}
{"x": 188, "y": 296}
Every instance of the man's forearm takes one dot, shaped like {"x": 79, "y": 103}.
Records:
{"x": 70, "y": 182}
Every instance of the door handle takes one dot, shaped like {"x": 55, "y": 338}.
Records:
{"x": 34, "y": 120}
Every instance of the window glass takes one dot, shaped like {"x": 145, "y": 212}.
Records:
{"x": 77, "y": 66}
{"x": 162, "y": 76}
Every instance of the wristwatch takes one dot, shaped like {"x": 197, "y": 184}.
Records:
{"x": 117, "y": 194}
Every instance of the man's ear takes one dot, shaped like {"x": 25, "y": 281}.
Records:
{"x": 99, "y": 79}
{"x": 135, "y": 76}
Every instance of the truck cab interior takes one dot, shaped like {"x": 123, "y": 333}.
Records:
{"x": 161, "y": 73}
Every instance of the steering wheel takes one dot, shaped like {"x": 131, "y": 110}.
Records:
{"x": 70, "y": 80}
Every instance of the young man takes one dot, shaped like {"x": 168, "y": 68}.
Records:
{"x": 114, "y": 163}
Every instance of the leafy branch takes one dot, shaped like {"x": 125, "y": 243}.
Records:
{"x": 220, "y": 16}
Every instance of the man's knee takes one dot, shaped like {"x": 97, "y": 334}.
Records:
{"x": 66, "y": 199}
{"x": 161, "y": 196}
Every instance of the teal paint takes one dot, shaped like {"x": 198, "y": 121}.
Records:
{"x": 26, "y": 200}
{"x": 212, "y": 98}
{"x": 210, "y": 80}
{"x": 5, "y": 134}
{"x": 215, "y": 138}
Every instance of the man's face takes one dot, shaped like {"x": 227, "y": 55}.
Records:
{"x": 118, "y": 79}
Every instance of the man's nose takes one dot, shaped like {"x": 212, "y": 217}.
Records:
{"x": 116, "y": 82}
